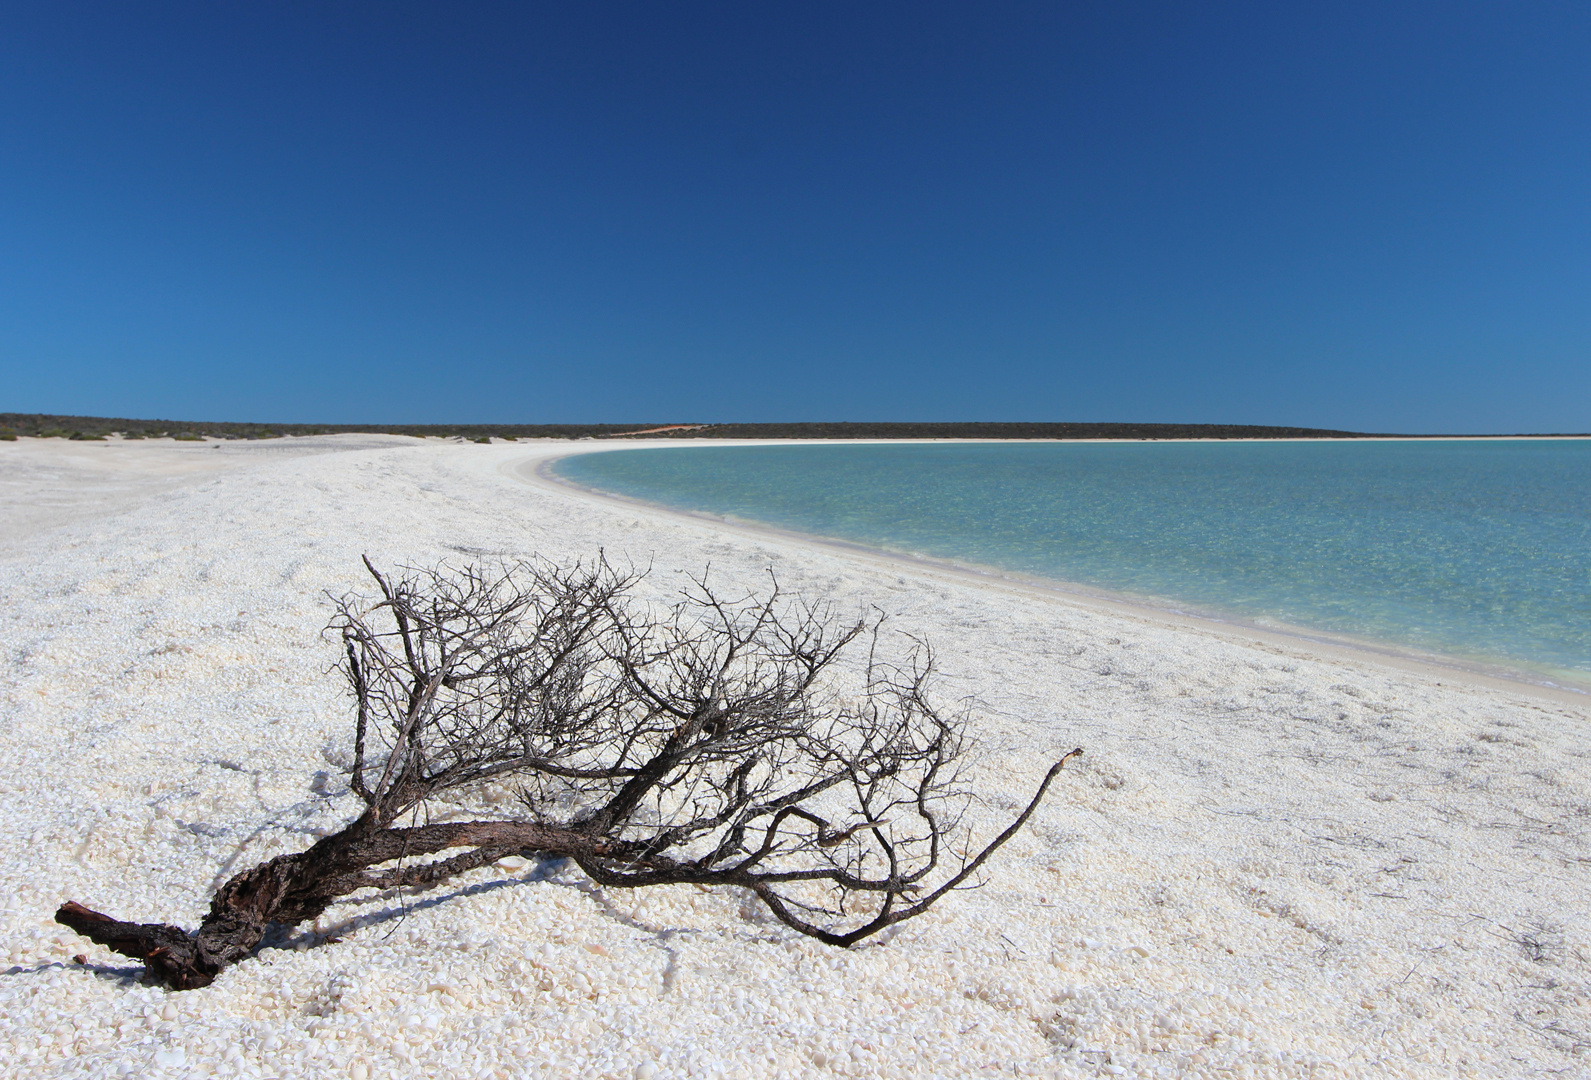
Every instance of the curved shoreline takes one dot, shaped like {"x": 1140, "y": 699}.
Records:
{"x": 537, "y": 470}
{"x": 1270, "y": 860}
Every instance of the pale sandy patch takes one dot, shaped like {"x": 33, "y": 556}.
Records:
{"x": 1275, "y": 861}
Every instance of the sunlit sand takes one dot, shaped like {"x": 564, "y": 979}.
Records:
{"x": 1275, "y": 859}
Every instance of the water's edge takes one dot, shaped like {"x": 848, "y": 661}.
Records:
{"x": 1159, "y": 609}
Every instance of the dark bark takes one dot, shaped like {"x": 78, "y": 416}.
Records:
{"x": 711, "y": 730}
{"x": 293, "y": 889}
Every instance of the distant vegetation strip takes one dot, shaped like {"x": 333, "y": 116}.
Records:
{"x": 98, "y": 427}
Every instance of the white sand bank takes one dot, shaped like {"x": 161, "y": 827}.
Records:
{"x": 1274, "y": 861}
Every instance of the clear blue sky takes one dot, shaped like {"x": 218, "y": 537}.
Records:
{"x": 1372, "y": 216}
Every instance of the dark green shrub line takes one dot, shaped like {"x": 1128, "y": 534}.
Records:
{"x": 95, "y": 427}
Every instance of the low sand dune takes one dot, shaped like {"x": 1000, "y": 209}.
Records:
{"x": 1275, "y": 860}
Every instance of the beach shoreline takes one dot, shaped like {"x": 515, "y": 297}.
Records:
{"x": 1556, "y": 686}
{"x": 1275, "y": 858}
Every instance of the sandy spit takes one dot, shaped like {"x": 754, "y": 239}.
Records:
{"x": 1275, "y": 860}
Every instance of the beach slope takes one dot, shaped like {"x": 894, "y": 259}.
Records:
{"x": 1274, "y": 860}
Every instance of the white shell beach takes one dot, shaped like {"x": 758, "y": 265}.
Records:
{"x": 1275, "y": 859}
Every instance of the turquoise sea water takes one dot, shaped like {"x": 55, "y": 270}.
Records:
{"x": 1480, "y": 550}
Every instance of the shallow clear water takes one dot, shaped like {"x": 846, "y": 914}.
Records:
{"x": 1480, "y": 550}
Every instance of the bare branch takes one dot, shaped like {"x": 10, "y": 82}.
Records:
{"x": 726, "y": 742}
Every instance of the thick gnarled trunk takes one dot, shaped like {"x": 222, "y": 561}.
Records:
{"x": 293, "y": 889}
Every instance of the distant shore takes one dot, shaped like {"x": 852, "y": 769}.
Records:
{"x": 95, "y": 427}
